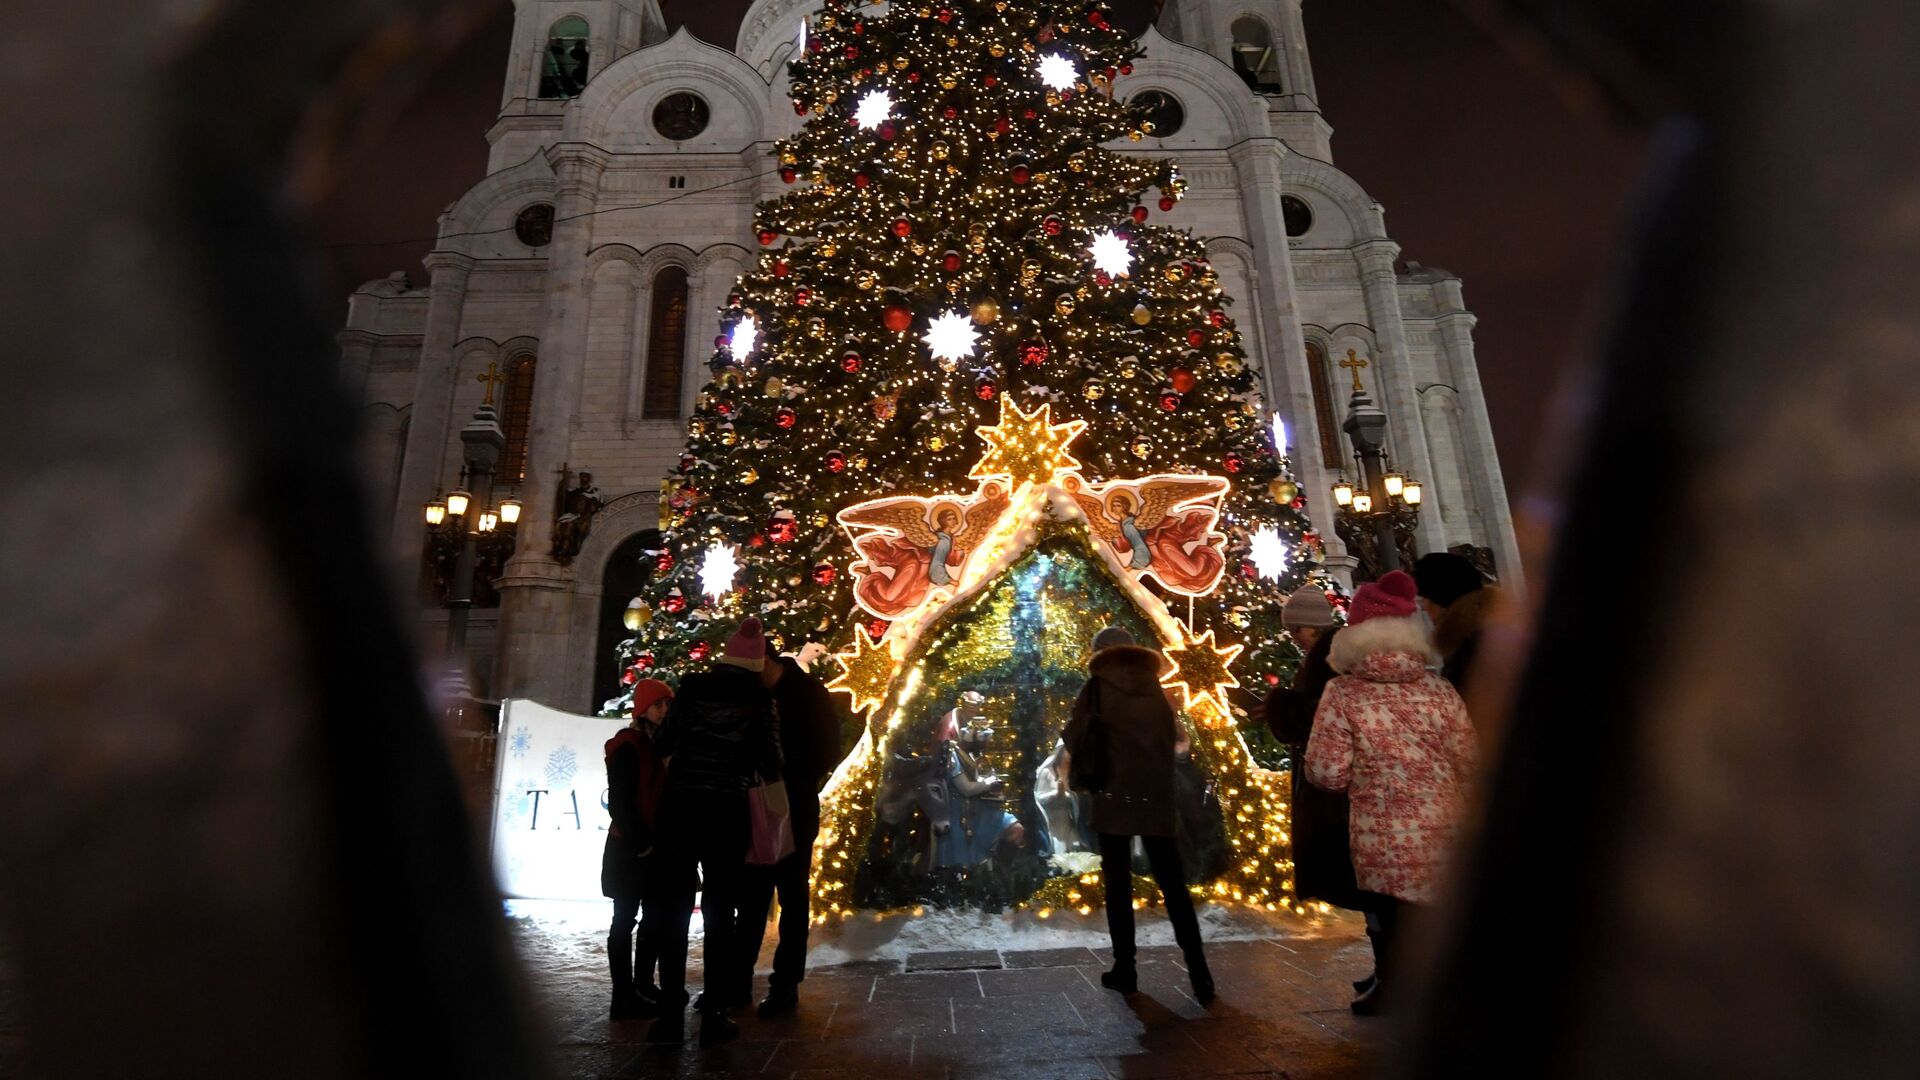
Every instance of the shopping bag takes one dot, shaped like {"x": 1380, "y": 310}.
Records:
{"x": 772, "y": 838}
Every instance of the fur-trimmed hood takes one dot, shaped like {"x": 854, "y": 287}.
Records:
{"x": 1464, "y": 618}
{"x": 1379, "y": 636}
{"x": 1132, "y": 669}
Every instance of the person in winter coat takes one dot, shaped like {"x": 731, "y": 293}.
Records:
{"x": 722, "y": 733}
{"x": 635, "y": 776}
{"x": 810, "y": 747}
{"x": 1395, "y": 737}
{"x": 1136, "y": 726}
{"x": 1457, "y": 598}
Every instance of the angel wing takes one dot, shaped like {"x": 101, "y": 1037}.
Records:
{"x": 1103, "y": 526}
{"x": 979, "y": 519}
{"x": 906, "y": 516}
{"x": 1161, "y": 496}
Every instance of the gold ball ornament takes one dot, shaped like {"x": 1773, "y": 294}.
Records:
{"x": 1141, "y": 446}
{"x": 859, "y": 461}
{"x": 900, "y": 62}
{"x": 949, "y": 83}
{"x": 729, "y": 437}
{"x": 828, "y": 249}
{"x": 953, "y": 43}
{"x": 937, "y": 443}
{"x": 985, "y": 310}
{"x": 1094, "y": 390}
{"x": 830, "y": 95}
{"x": 696, "y": 426}
{"x": 820, "y": 521}
{"x": 996, "y": 50}
{"x": 1234, "y": 421}
{"x": 1176, "y": 273}
{"x": 749, "y": 475}
{"x": 1283, "y": 491}
{"x": 1064, "y": 304}
{"x": 939, "y": 150}
{"x": 1136, "y": 135}
{"x": 866, "y": 279}
{"x": 1142, "y": 315}
{"x": 787, "y": 157}
{"x": 1227, "y": 362}
{"x": 901, "y": 153}
{"x": 775, "y": 386}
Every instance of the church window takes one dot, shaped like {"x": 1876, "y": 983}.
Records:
{"x": 1297, "y": 215}
{"x": 666, "y": 344}
{"x": 1162, "y": 110}
{"x": 1323, "y": 413}
{"x": 563, "y": 65}
{"x": 517, "y": 419}
{"x": 534, "y": 225}
{"x": 681, "y": 116}
{"x": 1254, "y": 57}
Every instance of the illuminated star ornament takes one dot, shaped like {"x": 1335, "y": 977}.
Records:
{"x": 873, "y": 108}
{"x": 950, "y": 336}
{"x": 717, "y": 571}
{"x": 1110, "y": 253}
{"x": 1026, "y": 446}
{"x": 1279, "y": 435}
{"x": 740, "y": 340}
{"x": 1200, "y": 670}
{"x": 865, "y": 672}
{"x": 1057, "y": 72}
{"x": 1269, "y": 553}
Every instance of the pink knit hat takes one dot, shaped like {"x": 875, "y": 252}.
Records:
{"x": 747, "y": 647}
{"x": 1391, "y": 596}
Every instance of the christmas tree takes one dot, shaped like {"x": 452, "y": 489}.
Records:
{"x": 971, "y": 406}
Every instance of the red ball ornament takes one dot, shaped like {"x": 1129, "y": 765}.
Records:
{"x": 1033, "y": 352}
{"x": 814, "y": 44}
{"x": 1020, "y": 175}
{"x": 674, "y": 604}
{"x": 1233, "y": 462}
{"x": 803, "y": 296}
{"x": 781, "y": 268}
{"x": 1028, "y": 114}
{"x": 1101, "y": 277}
{"x": 1249, "y": 571}
{"x": 783, "y": 417}
{"x": 985, "y": 389}
{"x": 1272, "y": 679}
{"x": 853, "y": 52}
{"x": 1170, "y": 401}
{"x": 850, "y": 362}
{"x": 1002, "y": 125}
{"x": 897, "y": 317}
{"x": 913, "y": 76}
{"x": 789, "y": 174}
{"x": 767, "y": 237}
{"x": 1126, "y": 69}
{"x": 886, "y": 131}
{"x": 643, "y": 662}
{"x": 877, "y": 628}
{"x": 1138, "y": 214}
{"x": 1183, "y": 380}
{"x": 629, "y": 677}
{"x": 861, "y": 180}
{"x": 1166, "y": 203}
{"x": 1196, "y": 337}
{"x": 836, "y": 461}
{"x": 902, "y": 228}
{"x": 945, "y": 15}
{"x": 1299, "y": 502}
{"x": 724, "y": 408}
{"x": 782, "y": 530}
{"x": 720, "y": 342}
{"x": 756, "y": 541}
{"x": 700, "y": 651}
{"x": 1052, "y": 226}
{"x": 950, "y": 262}
{"x": 663, "y": 562}
{"x": 799, "y": 109}
{"x": 824, "y": 574}
{"x": 687, "y": 462}
{"x": 991, "y": 81}
{"x": 1217, "y": 317}
{"x": 949, "y": 113}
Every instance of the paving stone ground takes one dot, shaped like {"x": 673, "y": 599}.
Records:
{"x": 1042, "y": 1015}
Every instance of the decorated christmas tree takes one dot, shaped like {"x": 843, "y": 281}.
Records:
{"x": 971, "y": 406}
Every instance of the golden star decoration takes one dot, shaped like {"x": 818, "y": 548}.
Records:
{"x": 1200, "y": 669}
{"x": 1026, "y": 446}
{"x": 865, "y": 672}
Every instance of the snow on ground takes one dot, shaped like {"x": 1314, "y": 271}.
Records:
{"x": 566, "y": 939}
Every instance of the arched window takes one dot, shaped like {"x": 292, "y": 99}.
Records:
{"x": 1324, "y": 416}
{"x": 563, "y": 64}
{"x": 627, "y": 573}
{"x": 1254, "y": 55}
{"x": 517, "y": 420}
{"x": 666, "y": 344}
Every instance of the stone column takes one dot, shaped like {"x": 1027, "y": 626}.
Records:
{"x": 1282, "y": 348}
{"x": 421, "y": 468}
{"x": 1299, "y": 69}
{"x": 356, "y": 359}
{"x": 1483, "y": 461}
{"x": 535, "y": 590}
{"x": 1392, "y": 372}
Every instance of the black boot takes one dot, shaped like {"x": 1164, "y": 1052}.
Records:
{"x": 670, "y": 1028}
{"x": 715, "y": 1029}
{"x": 627, "y": 1004}
{"x": 1361, "y": 986}
{"x": 1200, "y": 976}
{"x": 1368, "y": 1003}
{"x": 779, "y": 1000}
{"x": 1123, "y": 978}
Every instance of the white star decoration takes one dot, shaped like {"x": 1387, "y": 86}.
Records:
{"x": 1110, "y": 253}
{"x": 1057, "y": 72}
{"x": 717, "y": 571}
{"x": 1269, "y": 553}
{"x": 872, "y": 109}
{"x": 1279, "y": 434}
{"x": 740, "y": 340}
{"x": 950, "y": 336}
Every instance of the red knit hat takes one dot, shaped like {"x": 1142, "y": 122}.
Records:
{"x": 747, "y": 647}
{"x": 648, "y": 691}
{"x": 1391, "y": 596}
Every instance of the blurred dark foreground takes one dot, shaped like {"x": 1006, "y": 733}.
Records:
{"x": 231, "y": 842}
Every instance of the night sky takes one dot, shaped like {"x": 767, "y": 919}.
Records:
{"x": 1484, "y": 169}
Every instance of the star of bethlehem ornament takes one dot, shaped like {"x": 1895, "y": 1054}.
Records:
{"x": 1026, "y": 446}
{"x": 865, "y": 672}
{"x": 1201, "y": 670}
{"x": 740, "y": 341}
{"x": 872, "y": 110}
{"x": 1057, "y": 72}
{"x": 1269, "y": 552}
{"x": 718, "y": 569}
{"x": 950, "y": 336}
{"x": 1110, "y": 253}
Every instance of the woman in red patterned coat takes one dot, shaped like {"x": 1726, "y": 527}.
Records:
{"x": 1393, "y": 735}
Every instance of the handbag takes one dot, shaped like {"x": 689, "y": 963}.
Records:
{"x": 1087, "y": 770}
{"x": 772, "y": 821}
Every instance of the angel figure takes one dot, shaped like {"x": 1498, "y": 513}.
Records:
{"x": 917, "y": 545}
{"x": 1156, "y": 527}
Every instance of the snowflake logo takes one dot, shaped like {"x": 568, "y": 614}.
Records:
{"x": 561, "y": 767}
{"x": 520, "y": 741}
{"x": 519, "y": 802}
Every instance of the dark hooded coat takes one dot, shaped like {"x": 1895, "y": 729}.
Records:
{"x": 1322, "y": 857}
{"x": 1124, "y": 696}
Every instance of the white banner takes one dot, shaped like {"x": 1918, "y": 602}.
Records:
{"x": 550, "y": 801}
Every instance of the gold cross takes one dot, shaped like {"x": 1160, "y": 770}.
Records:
{"x": 493, "y": 377}
{"x": 1354, "y": 364}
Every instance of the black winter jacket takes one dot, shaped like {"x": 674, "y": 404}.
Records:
{"x": 720, "y": 732}
{"x": 809, "y": 742}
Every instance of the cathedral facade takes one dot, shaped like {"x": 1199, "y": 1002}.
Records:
{"x": 575, "y": 288}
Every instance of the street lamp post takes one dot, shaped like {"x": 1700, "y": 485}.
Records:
{"x": 1373, "y": 517}
{"x": 469, "y": 518}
